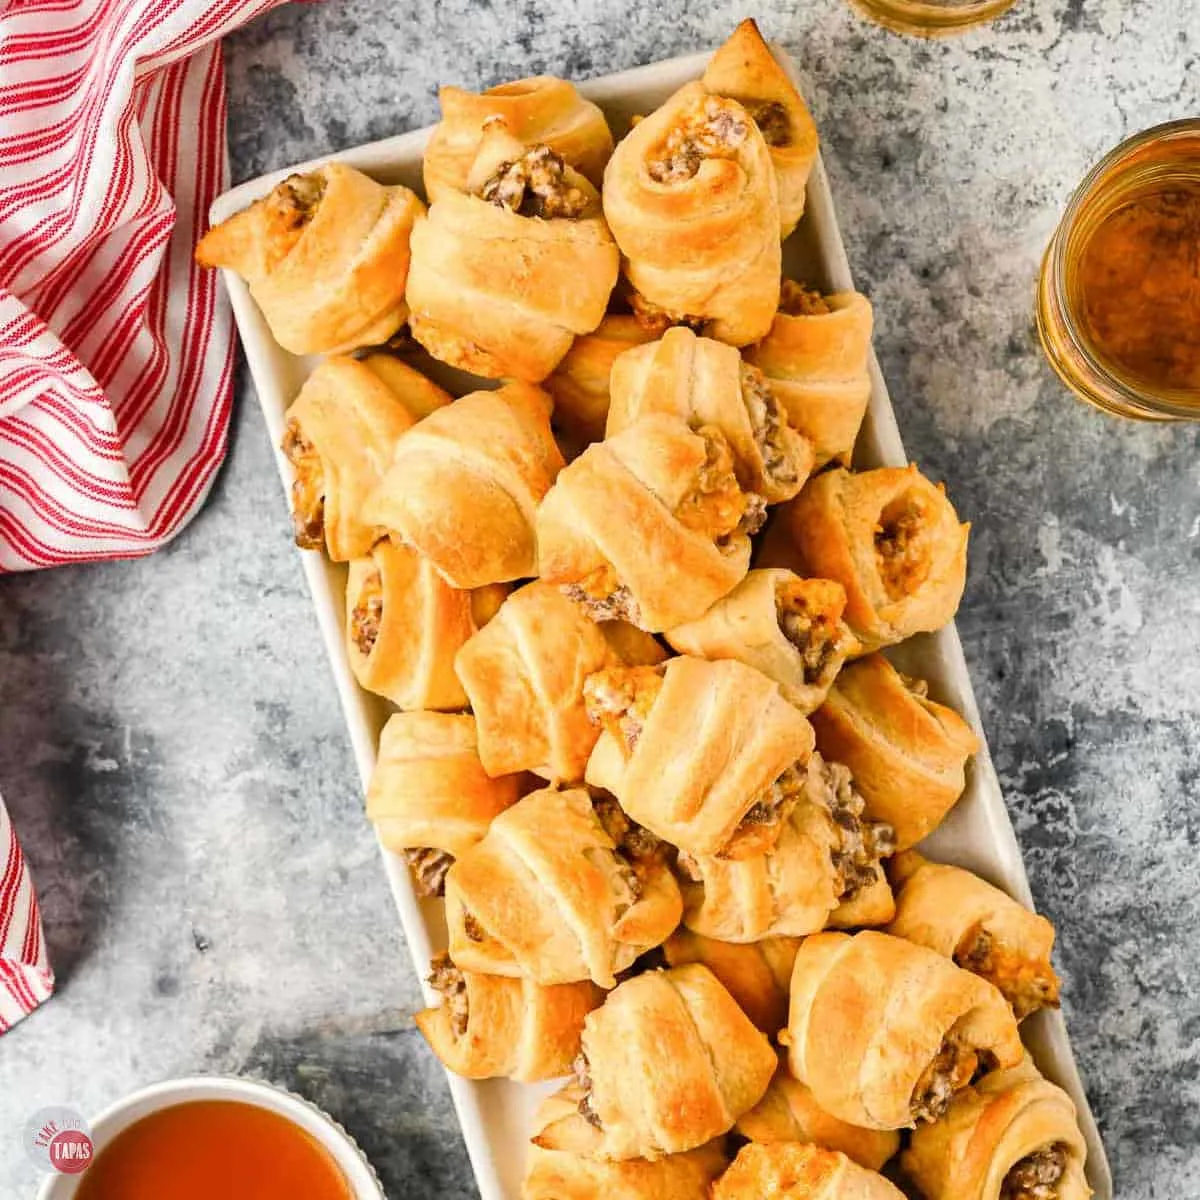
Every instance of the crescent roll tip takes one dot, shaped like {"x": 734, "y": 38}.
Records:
{"x": 799, "y": 1171}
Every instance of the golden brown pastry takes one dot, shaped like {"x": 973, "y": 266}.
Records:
{"x": 799, "y": 1171}
{"x": 745, "y": 70}
{"x": 891, "y": 539}
{"x": 506, "y": 273}
{"x": 907, "y": 753}
{"x": 464, "y": 486}
{"x": 524, "y": 675}
{"x": 542, "y": 110}
{"x": 706, "y": 383}
{"x": 326, "y": 257}
{"x": 579, "y": 384}
{"x": 825, "y": 855}
{"x": 690, "y": 196}
{"x": 558, "y": 1169}
{"x": 1013, "y": 1136}
{"x": 669, "y": 1062}
{"x": 885, "y": 1032}
{"x": 872, "y": 905}
{"x": 815, "y": 357}
{"x": 429, "y": 797}
{"x": 788, "y": 1113}
{"x": 649, "y": 526}
{"x": 708, "y": 756}
{"x": 790, "y": 629}
{"x": 488, "y": 1026}
{"x": 755, "y": 974}
{"x": 405, "y": 624}
{"x": 550, "y": 894}
{"x": 983, "y": 930}
{"x": 342, "y": 430}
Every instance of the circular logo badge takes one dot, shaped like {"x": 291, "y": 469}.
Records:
{"x": 58, "y": 1139}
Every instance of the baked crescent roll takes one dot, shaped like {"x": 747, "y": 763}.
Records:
{"x": 790, "y": 629}
{"x": 907, "y": 753}
{"x": 891, "y": 539}
{"x": 788, "y": 1113}
{"x": 708, "y": 756}
{"x": 488, "y": 1026}
{"x": 649, "y": 526}
{"x": 542, "y": 110}
{"x": 464, "y": 485}
{"x": 505, "y": 274}
{"x": 326, "y": 257}
{"x": 745, "y": 70}
{"x": 815, "y": 358}
{"x": 872, "y": 905}
{"x": 669, "y": 1062}
{"x": 524, "y": 676}
{"x": 825, "y": 855}
{"x": 981, "y": 928}
{"x": 691, "y": 197}
{"x": 885, "y": 1032}
{"x": 549, "y": 894}
{"x": 706, "y": 383}
{"x": 1013, "y": 1136}
{"x": 342, "y": 429}
{"x": 799, "y": 1171}
{"x": 556, "y": 1169}
{"x": 405, "y": 624}
{"x": 429, "y": 797}
{"x": 755, "y": 974}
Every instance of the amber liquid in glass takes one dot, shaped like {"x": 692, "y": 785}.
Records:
{"x": 1138, "y": 277}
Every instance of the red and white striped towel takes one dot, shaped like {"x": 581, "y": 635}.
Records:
{"x": 116, "y": 352}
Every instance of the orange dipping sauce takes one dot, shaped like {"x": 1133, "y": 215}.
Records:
{"x": 214, "y": 1150}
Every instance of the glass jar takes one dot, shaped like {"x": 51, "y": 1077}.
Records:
{"x": 1152, "y": 184}
{"x": 929, "y": 18}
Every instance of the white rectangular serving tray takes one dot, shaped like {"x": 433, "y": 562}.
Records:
{"x": 496, "y": 1114}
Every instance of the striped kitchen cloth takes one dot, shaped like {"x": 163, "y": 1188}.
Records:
{"x": 116, "y": 351}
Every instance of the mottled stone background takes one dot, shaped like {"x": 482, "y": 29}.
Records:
{"x": 171, "y": 746}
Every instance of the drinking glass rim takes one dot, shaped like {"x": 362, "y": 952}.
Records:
{"x": 921, "y": 17}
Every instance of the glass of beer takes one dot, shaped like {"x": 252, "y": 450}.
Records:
{"x": 931, "y": 18}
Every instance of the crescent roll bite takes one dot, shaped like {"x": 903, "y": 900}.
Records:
{"x": 1013, "y": 1136}
{"x": 705, "y": 382}
{"x": 798, "y": 1171}
{"x": 790, "y": 629}
{"x": 540, "y": 110}
{"x": 981, "y": 928}
{"x": 815, "y": 358}
{"x": 550, "y": 893}
{"x": 325, "y": 255}
{"x": 488, "y": 1026}
{"x": 907, "y": 753}
{"x": 341, "y": 431}
{"x": 891, "y": 539}
{"x": 650, "y": 526}
{"x": 885, "y": 1032}
{"x": 745, "y": 70}
{"x": 669, "y": 1062}
{"x": 788, "y": 1113}
{"x": 708, "y": 756}
{"x": 464, "y": 485}
{"x": 691, "y": 197}
{"x": 505, "y": 274}
{"x": 429, "y": 796}
{"x": 524, "y": 674}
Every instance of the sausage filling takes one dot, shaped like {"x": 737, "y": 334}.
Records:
{"x": 472, "y": 928}
{"x": 633, "y": 841}
{"x": 713, "y": 128}
{"x": 796, "y": 300}
{"x": 308, "y": 489}
{"x": 951, "y": 1069}
{"x": 717, "y": 507}
{"x": 657, "y": 319}
{"x": 583, "y": 1077}
{"x": 288, "y": 209}
{"x": 769, "y": 426}
{"x": 1027, "y": 984}
{"x": 367, "y": 614}
{"x": 429, "y": 867}
{"x": 773, "y": 804}
{"x": 1037, "y": 1175}
{"x": 902, "y": 546}
{"x": 603, "y": 597}
{"x": 772, "y": 120}
{"x": 816, "y": 635}
{"x": 620, "y": 700}
{"x": 535, "y": 185}
{"x": 446, "y": 978}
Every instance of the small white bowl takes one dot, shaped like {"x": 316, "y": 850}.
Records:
{"x": 364, "y": 1184}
